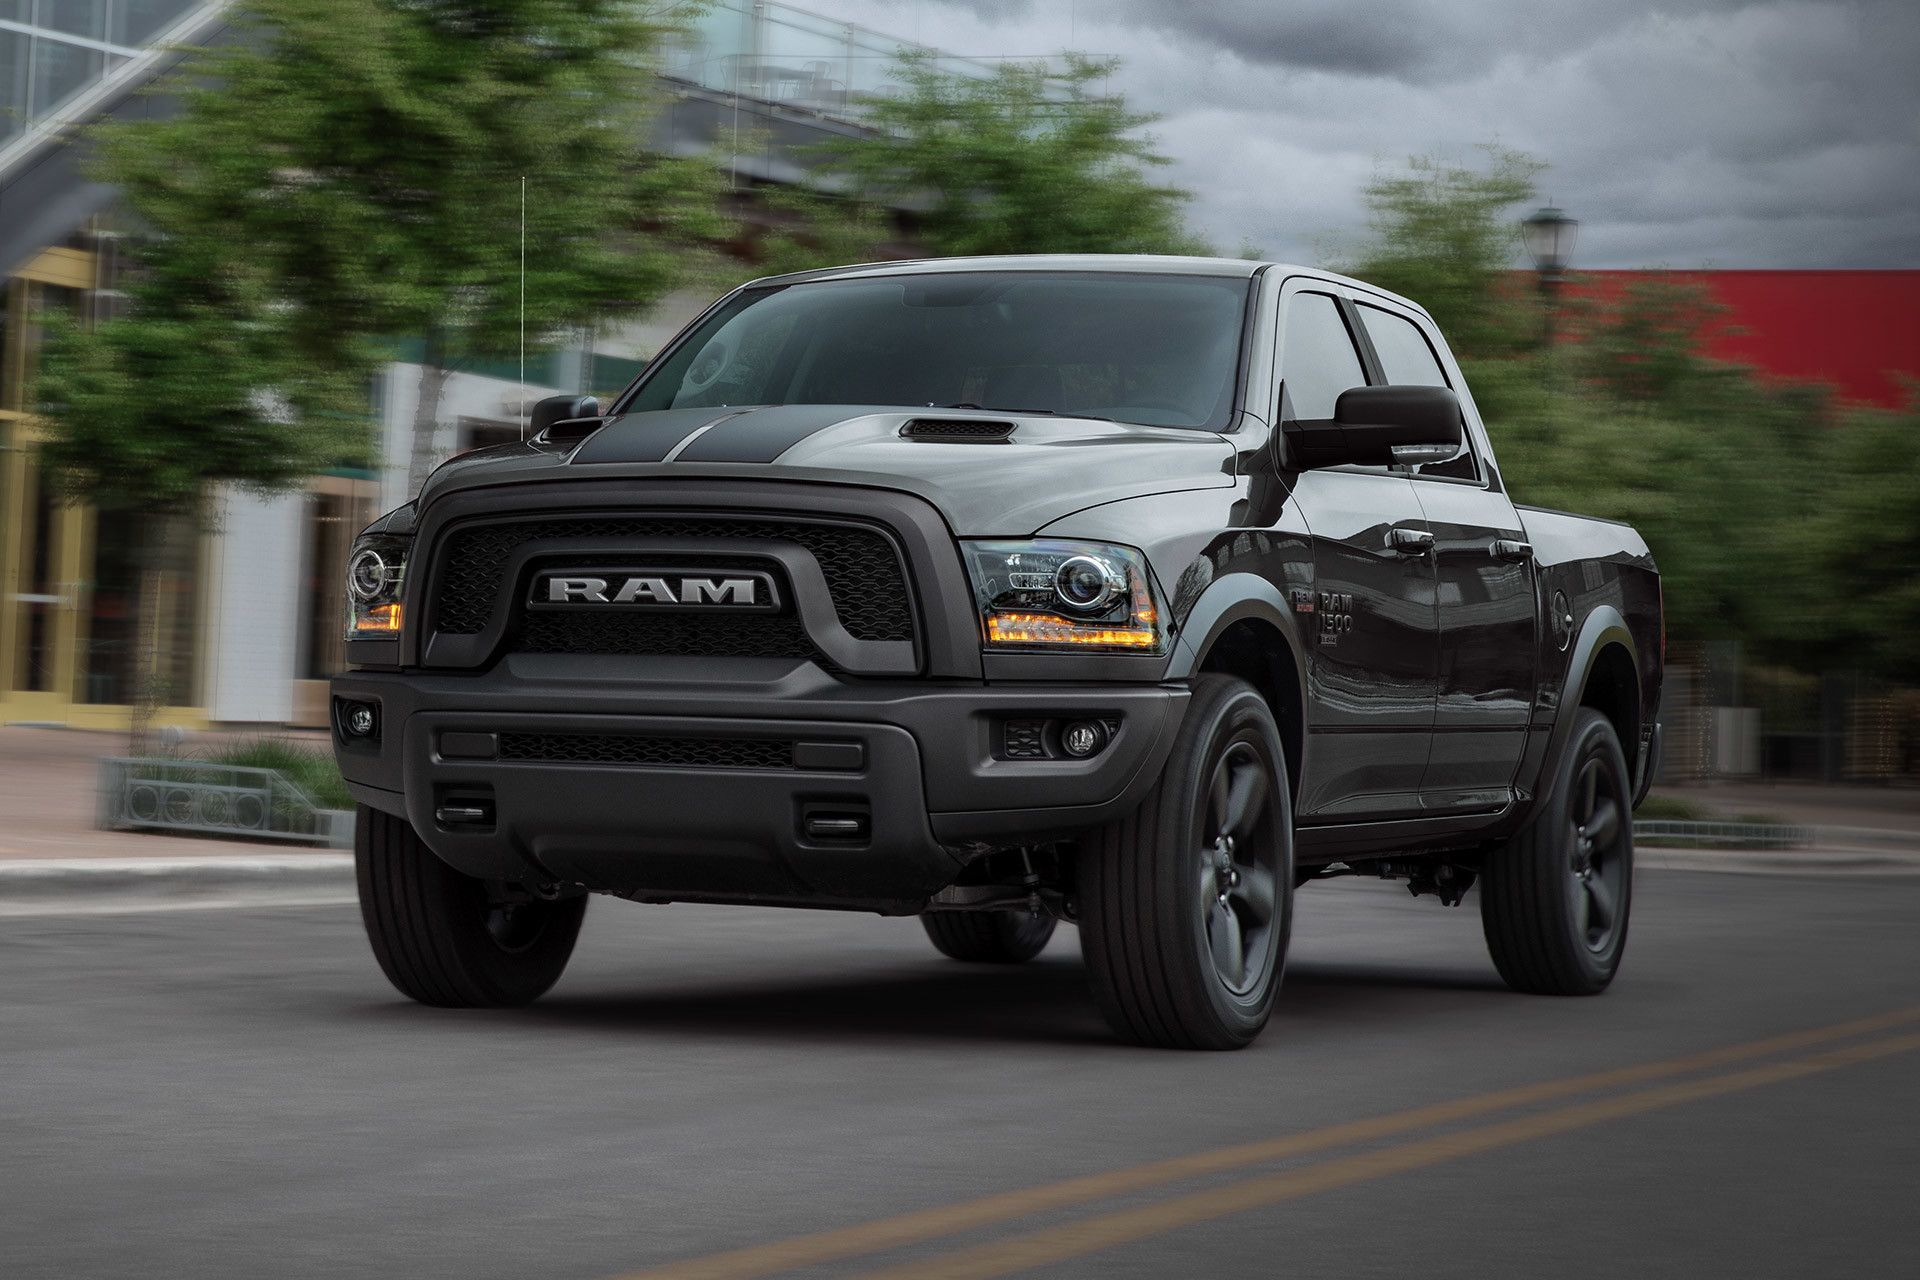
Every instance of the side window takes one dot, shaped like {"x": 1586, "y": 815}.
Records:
{"x": 1404, "y": 354}
{"x": 1407, "y": 359}
{"x": 1317, "y": 356}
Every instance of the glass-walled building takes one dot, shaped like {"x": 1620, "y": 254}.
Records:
{"x": 786, "y": 56}
{"x": 56, "y": 53}
{"x": 243, "y": 615}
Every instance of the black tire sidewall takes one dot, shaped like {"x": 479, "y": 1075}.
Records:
{"x": 524, "y": 973}
{"x": 1594, "y": 738}
{"x": 1531, "y": 876}
{"x": 427, "y": 924}
{"x": 1224, "y": 710}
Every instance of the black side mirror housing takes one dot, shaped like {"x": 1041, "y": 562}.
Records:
{"x": 1379, "y": 427}
{"x": 556, "y": 410}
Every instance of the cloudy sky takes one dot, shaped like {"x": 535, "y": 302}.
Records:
{"x": 1730, "y": 133}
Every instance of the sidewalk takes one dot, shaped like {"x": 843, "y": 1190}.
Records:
{"x": 1806, "y": 804}
{"x": 52, "y": 857}
{"x": 47, "y": 785}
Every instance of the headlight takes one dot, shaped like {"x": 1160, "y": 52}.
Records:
{"x": 376, "y": 567}
{"x": 1055, "y": 594}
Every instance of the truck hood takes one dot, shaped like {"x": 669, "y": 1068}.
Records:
{"x": 1048, "y": 468}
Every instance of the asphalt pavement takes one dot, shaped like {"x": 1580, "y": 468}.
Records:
{"x": 236, "y": 1092}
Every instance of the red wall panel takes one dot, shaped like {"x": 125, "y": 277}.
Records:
{"x": 1858, "y": 331}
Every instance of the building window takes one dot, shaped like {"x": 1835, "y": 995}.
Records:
{"x": 334, "y": 516}
{"x": 478, "y": 433}
{"x": 110, "y": 655}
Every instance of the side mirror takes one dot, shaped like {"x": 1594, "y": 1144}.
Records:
{"x": 554, "y": 410}
{"x": 1380, "y": 426}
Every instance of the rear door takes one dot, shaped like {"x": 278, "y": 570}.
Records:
{"x": 1486, "y": 602}
{"x": 1370, "y": 621}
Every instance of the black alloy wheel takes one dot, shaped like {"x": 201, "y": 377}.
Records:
{"x": 441, "y": 937}
{"x": 1554, "y": 900}
{"x": 989, "y": 937}
{"x": 1235, "y": 859}
{"x": 1600, "y": 844}
{"x": 1186, "y": 905}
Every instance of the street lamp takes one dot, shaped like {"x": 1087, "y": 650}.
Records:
{"x": 1548, "y": 235}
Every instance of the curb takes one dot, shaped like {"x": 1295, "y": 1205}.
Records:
{"x": 1822, "y": 861}
{"x": 35, "y": 886}
{"x": 59, "y": 886}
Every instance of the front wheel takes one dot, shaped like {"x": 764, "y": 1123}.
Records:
{"x": 1186, "y": 904}
{"x": 1554, "y": 899}
{"x": 440, "y": 937}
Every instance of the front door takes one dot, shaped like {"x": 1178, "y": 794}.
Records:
{"x": 1485, "y": 596}
{"x": 1370, "y": 619}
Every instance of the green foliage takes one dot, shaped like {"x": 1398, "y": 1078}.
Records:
{"x": 352, "y": 170}
{"x": 1444, "y": 235}
{"x": 1708, "y": 476}
{"x": 199, "y": 385}
{"x": 1775, "y": 520}
{"x": 812, "y": 228}
{"x": 311, "y": 768}
{"x": 1860, "y": 546}
{"x": 1669, "y": 808}
{"x": 367, "y": 155}
{"x": 1644, "y": 345}
{"x": 1024, "y": 162}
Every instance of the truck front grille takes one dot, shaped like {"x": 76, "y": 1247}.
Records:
{"x": 634, "y": 749}
{"x": 861, "y": 567}
{"x": 673, "y": 634}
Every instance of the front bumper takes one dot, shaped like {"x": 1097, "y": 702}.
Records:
{"x": 923, "y": 777}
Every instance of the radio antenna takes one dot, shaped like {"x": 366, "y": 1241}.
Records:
{"x": 523, "y": 307}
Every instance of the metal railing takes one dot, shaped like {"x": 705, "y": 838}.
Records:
{"x": 217, "y": 799}
{"x": 1740, "y": 835}
{"x": 787, "y": 55}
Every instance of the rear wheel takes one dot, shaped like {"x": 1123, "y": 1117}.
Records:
{"x": 988, "y": 937}
{"x": 441, "y": 937}
{"x": 1554, "y": 900}
{"x": 1186, "y": 904}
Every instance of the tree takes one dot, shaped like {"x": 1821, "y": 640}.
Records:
{"x": 1444, "y": 235}
{"x": 1021, "y": 162}
{"x": 1861, "y": 546}
{"x": 197, "y": 386}
{"x": 367, "y": 157}
{"x": 348, "y": 171}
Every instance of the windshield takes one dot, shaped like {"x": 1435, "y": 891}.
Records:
{"x": 1161, "y": 350}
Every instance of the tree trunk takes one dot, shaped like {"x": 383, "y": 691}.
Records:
{"x": 426, "y": 414}
{"x": 149, "y": 684}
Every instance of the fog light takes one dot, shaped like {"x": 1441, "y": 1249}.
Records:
{"x": 1082, "y": 738}
{"x": 359, "y": 719}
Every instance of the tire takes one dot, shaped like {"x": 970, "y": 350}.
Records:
{"x": 1185, "y": 931}
{"x": 1555, "y": 899}
{"x": 988, "y": 937}
{"x": 438, "y": 936}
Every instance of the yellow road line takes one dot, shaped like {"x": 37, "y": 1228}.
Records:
{"x": 1089, "y": 1235}
{"x": 927, "y": 1224}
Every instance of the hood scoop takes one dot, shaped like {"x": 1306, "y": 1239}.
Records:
{"x": 957, "y": 430}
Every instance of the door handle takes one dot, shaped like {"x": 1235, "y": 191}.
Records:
{"x": 1412, "y": 542}
{"x": 1508, "y": 549}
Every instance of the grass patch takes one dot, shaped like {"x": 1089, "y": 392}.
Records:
{"x": 310, "y": 768}
{"x": 1674, "y": 809}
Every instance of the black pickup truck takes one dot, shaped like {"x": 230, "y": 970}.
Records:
{"x": 1133, "y": 592}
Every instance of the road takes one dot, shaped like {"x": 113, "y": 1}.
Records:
{"x": 237, "y": 1093}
